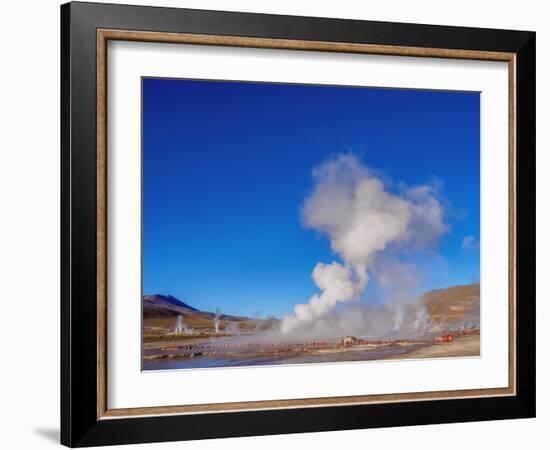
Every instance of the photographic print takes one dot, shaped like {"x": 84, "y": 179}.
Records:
{"x": 298, "y": 224}
{"x": 318, "y": 201}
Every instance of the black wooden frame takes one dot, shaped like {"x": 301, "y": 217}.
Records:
{"x": 79, "y": 423}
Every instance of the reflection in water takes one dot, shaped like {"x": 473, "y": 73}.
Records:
{"x": 301, "y": 358}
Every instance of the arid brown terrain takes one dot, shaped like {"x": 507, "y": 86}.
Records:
{"x": 177, "y": 334}
{"x": 161, "y": 311}
{"x": 453, "y": 305}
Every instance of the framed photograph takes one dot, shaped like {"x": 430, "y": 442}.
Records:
{"x": 277, "y": 224}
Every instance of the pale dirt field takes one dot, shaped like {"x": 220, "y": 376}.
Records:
{"x": 461, "y": 346}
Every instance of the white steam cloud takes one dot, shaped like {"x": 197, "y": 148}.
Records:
{"x": 363, "y": 220}
{"x": 469, "y": 243}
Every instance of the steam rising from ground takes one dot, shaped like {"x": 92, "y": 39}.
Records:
{"x": 368, "y": 227}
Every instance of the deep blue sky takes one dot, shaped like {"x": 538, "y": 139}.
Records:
{"x": 226, "y": 167}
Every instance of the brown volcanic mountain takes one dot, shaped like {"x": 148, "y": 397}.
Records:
{"x": 159, "y": 306}
{"x": 165, "y": 306}
{"x": 456, "y": 305}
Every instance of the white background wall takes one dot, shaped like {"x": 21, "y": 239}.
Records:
{"x": 29, "y": 223}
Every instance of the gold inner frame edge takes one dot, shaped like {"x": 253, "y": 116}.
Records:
{"x": 103, "y": 36}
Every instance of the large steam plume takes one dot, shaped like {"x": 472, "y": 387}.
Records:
{"x": 366, "y": 225}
